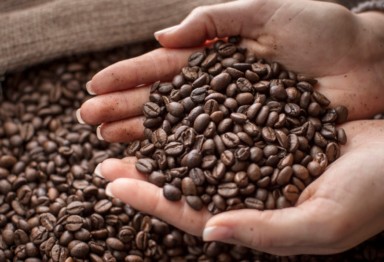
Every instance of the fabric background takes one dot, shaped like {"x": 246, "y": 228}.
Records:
{"x": 33, "y": 31}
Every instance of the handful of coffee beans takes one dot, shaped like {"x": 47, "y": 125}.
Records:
{"x": 232, "y": 131}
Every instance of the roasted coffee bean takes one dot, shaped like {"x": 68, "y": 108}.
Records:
{"x": 194, "y": 202}
{"x": 59, "y": 253}
{"x": 254, "y": 203}
{"x": 262, "y": 115}
{"x": 220, "y": 82}
{"x": 230, "y": 140}
{"x": 145, "y": 165}
{"x": 341, "y": 136}
{"x": 115, "y": 244}
{"x": 141, "y": 240}
{"x": 198, "y": 94}
{"x": 228, "y": 190}
{"x": 278, "y": 92}
{"x": 226, "y": 49}
{"x": 151, "y": 109}
{"x": 196, "y": 59}
{"x": 201, "y": 123}
{"x": 192, "y": 159}
{"x": 171, "y": 192}
{"x": 74, "y": 223}
{"x": 78, "y": 249}
{"x": 210, "y": 60}
{"x": 291, "y": 193}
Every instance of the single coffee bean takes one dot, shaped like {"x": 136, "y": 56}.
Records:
{"x": 78, "y": 249}
{"x": 194, "y": 202}
{"x": 196, "y": 59}
{"x": 201, "y": 122}
{"x": 171, "y": 192}
{"x": 254, "y": 203}
{"x": 220, "y": 82}
{"x": 74, "y": 222}
{"x": 291, "y": 193}
{"x": 145, "y": 165}
{"x": 115, "y": 243}
{"x": 228, "y": 190}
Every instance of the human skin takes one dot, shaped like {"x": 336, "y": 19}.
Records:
{"x": 344, "y": 51}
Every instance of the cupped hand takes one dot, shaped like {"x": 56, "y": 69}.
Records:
{"x": 336, "y": 212}
{"x": 323, "y": 40}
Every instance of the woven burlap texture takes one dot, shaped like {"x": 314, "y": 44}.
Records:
{"x": 34, "y": 31}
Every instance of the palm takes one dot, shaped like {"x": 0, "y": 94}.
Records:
{"x": 333, "y": 208}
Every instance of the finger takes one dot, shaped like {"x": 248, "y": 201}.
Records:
{"x": 125, "y": 130}
{"x": 209, "y": 22}
{"x": 149, "y": 199}
{"x": 373, "y": 132}
{"x": 160, "y": 64}
{"x": 114, "y": 106}
{"x": 112, "y": 169}
{"x": 284, "y": 232}
{"x": 362, "y": 101}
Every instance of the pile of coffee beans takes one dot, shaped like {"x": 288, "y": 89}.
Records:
{"x": 232, "y": 131}
{"x": 52, "y": 207}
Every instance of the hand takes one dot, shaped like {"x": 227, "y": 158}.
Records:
{"x": 336, "y": 212}
{"x": 323, "y": 40}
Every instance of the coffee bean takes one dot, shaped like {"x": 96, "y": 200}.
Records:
{"x": 78, "y": 249}
{"x": 198, "y": 94}
{"x": 192, "y": 159}
{"x": 151, "y": 109}
{"x": 141, "y": 240}
{"x": 59, "y": 253}
{"x": 74, "y": 222}
{"x": 341, "y": 136}
{"x": 278, "y": 92}
{"x": 171, "y": 192}
{"x": 115, "y": 243}
{"x": 196, "y": 59}
{"x": 342, "y": 114}
{"x": 254, "y": 203}
{"x": 188, "y": 187}
{"x": 226, "y": 49}
{"x": 291, "y": 193}
{"x": 228, "y": 190}
{"x": 194, "y": 202}
{"x": 201, "y": 122}
{"x": 220, "y": 82}
{"x": 145, "y": 165}
{"x": 210, "y": 60}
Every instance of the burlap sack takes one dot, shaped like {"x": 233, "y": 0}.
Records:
{"x": 33, "y": 31}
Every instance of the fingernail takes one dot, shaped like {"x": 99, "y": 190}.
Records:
{"x": 89, "y": 90}
{"x": 97, "y": 171}
{"x": 164, "y": 31}
{"x": 98, "y": 133}
{"x": 216, "y": 233}
{"x": 78, "y": 116}
{"x": 108, "y": 190}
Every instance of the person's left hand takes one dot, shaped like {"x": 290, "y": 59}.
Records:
{"x": 336, "y": 212}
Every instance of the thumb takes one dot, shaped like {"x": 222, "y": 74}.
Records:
{"x": 221, "y": 20}
{"x": 281, "y": 232}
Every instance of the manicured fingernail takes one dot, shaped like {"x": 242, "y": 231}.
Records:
{"x": 216, "y": 233}
{"x": 164, "y": 31}
{"x": 98, "y": 133}
{"x": 89, "y": 89}
{"x": 108, "y": 190}
{"x": 78, "y": 116}
{"x": 97, "y": 171}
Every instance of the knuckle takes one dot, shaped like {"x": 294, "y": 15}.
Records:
{"x": 199, "y": 11}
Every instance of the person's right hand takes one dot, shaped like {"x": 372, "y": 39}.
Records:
{"x": 342, "y": 50}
